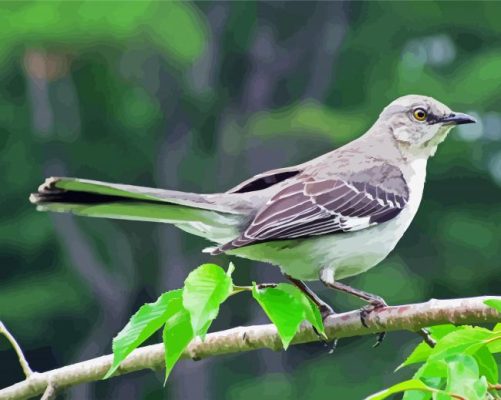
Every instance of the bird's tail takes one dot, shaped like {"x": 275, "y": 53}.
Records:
{"x": 216, "y": 217}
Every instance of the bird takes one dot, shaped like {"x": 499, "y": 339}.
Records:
{"x": 330, "y": 218}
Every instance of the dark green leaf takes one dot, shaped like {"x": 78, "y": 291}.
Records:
{"x": 205, "y": 289}
{"x": 177, "y": 333}
{"x": 144, "y": 323}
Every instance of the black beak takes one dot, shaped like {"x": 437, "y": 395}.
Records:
{"x": 457, "y": 119}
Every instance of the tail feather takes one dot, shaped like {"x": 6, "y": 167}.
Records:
{"x": 202, "y": 215}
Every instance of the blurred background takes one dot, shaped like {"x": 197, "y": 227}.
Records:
{"x": 199, "y": 96}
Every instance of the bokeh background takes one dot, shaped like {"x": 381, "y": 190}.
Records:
{"x": 198, "y": 96}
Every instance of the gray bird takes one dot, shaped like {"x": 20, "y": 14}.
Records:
{"x": 330, "y": 218}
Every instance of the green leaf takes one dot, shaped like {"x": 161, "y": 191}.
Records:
{"x": 282, "y": 308}
{"x": 422, "y": 351}
{"x": 458, "y": 341}
{"x": 440, "y": 331}
{"x": 177, "y": 334}
{"x": 432, "y": 370}
{"x": 205, "y": 289}
{"x": 416, "y": 395}
{"x": 486, "y": 362}
{"x": 412, "y": 384}
{"x": 463, "y": 378}
{"x": 144, "y": 323}
{"x": 420, "y": 354}
{"x": 311, "y": 313}
{"x": 432, "y": 374}
{"x": 494, "y": 303}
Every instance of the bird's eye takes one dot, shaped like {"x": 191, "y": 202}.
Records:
{"x": 420, "y": 114}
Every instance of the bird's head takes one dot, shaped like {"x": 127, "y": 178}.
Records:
{"x": 421, "y": 123}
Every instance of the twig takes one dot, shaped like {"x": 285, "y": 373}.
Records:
{"x": 50, "y": 392}
{"x": 425, "y": 334}
{"x": 411, "y": 317}
{"x": 20, "y": 355}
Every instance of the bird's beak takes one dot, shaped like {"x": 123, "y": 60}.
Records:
{"x": 457, "y": 119}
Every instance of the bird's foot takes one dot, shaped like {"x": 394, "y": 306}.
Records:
{"x": 325, "y": 311}
{"x": 374, "y": 305}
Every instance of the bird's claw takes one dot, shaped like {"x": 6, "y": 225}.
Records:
{"x": 325, "y": 311}
{"x": 374, "y": 305}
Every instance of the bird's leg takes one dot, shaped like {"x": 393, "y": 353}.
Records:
{"x": 323, "y": 307}
{"x": 375, "y": 302}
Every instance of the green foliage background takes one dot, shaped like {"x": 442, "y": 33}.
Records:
{"x": 198, "y": 96}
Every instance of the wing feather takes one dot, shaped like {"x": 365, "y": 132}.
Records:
{"x": 309, "y": 207}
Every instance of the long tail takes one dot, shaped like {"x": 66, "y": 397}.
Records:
{"x": 216, "y": 217}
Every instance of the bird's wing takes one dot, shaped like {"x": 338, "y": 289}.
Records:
{"x": 266, "y": 179}
{"x": 311, "y": 207}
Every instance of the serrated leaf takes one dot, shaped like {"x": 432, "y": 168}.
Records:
{"x": 282, "y": 308}
{"x": 411, "y": 384}
{"x": 463, "y": 378}
{"x": 144, "y": 323}
{"x": 205, "y": 289}
{"x": 494, "y": 303}
{"x": 177, "y": 334}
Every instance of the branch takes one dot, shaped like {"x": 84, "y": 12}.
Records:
{"x": 20, "y": 355}
{"x": 410, "y": 317}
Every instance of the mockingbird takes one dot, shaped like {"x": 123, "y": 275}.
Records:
{"x": 329, "y": 218}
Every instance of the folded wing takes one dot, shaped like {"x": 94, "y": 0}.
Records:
{"x": 310, "y": 207}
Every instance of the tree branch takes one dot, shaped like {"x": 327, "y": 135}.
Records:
{"x": 410, "y": 317}
{"x": 20, "y": 355}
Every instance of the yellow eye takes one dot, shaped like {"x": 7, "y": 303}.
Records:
{"x": 420, "y": 114}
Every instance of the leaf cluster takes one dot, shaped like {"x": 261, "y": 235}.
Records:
{"x": 186, "y": 313}
{"x": 461, "y": 365}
